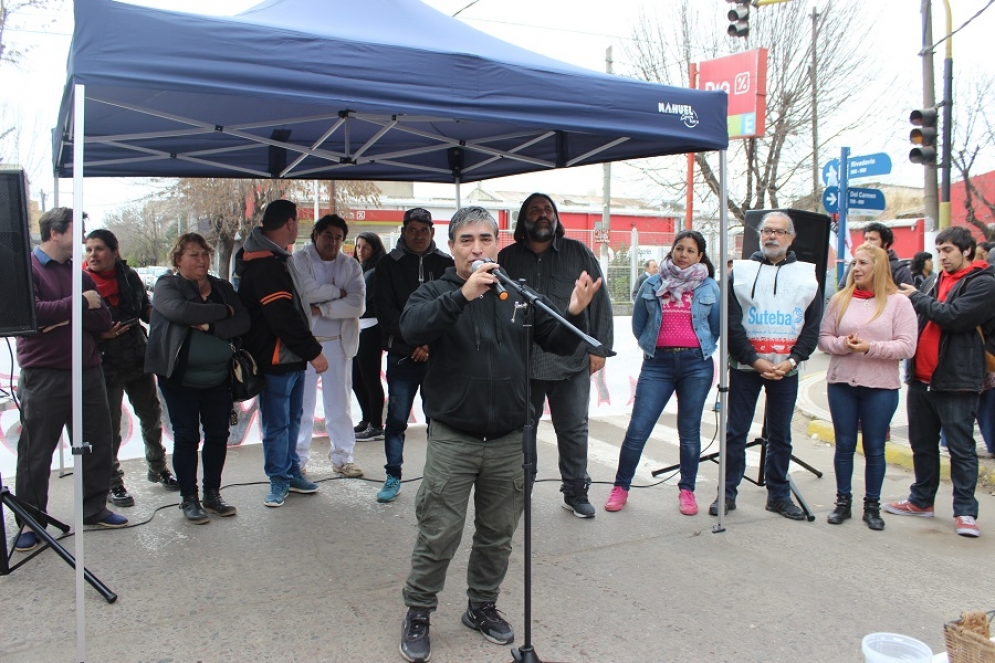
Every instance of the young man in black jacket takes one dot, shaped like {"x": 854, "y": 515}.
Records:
{"x": 413, "y": 262}
{"x": 946, "y": 376}
{"x": 281, "y": 342}
{"x": 475, "y": 398}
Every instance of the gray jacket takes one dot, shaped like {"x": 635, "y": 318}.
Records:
{"x": 176, "y": 307}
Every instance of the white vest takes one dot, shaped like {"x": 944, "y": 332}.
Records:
{"x": 774, "y": 300}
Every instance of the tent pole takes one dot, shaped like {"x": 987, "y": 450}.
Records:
{"x": 79, "y": 97}
{"x": 55, "y": 203}
{"x": 723, "y": 338}
{"x": 459, "y": 202}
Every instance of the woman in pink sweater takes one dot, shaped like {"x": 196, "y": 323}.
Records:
{"x": 867, "y": 328}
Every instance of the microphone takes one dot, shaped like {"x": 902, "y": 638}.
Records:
{"x": 498, "y": 289}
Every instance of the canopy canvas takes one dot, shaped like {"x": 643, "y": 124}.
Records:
{"x": 330, "y": 89}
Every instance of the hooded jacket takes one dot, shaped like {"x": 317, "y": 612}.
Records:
{"x": 327, "y": 296}
{"x": 740, "y": 348}
{"x": 961, "y": 363}
{"x": 280, "y": 337}
{"x": 900, "y": 272}
{"x": 475, "y": 381}
{"x": 399, "y": 274}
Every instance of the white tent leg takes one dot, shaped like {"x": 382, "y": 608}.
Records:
{"x": 723, "y": 339}
{"x": 79, "y": 96}
{"x": 55, "y": 203}
{"x": 459, "y": 202}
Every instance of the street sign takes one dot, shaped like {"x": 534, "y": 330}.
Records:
{"x": 869, "y": 165}
{"x": 866, "y": 166}
{"x": 857, "y": 199}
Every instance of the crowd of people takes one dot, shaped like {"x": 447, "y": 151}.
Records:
{"x": 318, "y": 315}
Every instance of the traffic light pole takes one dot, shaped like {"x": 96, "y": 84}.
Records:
{"x": 930, "y": 203}
{"x": 948, "y": 102}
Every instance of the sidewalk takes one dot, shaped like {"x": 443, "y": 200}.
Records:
{"x": 812, "y": 402}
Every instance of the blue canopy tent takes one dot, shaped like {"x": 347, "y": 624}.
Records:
{"x": 336, "y": 89}
{"x": 380, "y": 90}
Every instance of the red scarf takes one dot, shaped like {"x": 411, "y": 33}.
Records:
{"x": 107, "y": 285}
{"x": 863, "y": 294}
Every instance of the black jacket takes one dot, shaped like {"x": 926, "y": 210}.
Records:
{"x": 123, "y": 357}
{"x": 399, "y": 274}
{"x": 900, "y": 272}
{"x": 476, "y": 374}
{"x": 740, "y": 348}
{"x": 961, "y": 363}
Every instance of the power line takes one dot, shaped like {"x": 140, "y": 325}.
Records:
{"x": 963, "y": 25}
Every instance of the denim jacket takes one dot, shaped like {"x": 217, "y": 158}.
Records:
{"x": 647, "y": 315}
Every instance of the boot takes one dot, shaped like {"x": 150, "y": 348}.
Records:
{"x": 214, "y": 503}
{"x": 872, "y": 514}
{"x": 842, "y": 511}
{"x": 193, "y": 511}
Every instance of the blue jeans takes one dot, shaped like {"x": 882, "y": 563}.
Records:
{"x": 189, "y": 409}
{"x": 986, "y": 419}
{"x": 954, "y": 412}
{"x": 569, "y": 401}
{"x": 744, "y": 389}
{"x": 691, "y": 377}
{"x": 404, "y": 378}
{"x": 281, "y": 406}
{"x": 873, "y": 408}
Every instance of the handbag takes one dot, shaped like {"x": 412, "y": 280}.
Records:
{"x": 246, "y": 380}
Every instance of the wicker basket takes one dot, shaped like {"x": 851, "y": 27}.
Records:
{"x": 967, "y": 645}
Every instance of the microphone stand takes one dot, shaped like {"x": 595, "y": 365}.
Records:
{"x": 530, "y": 300}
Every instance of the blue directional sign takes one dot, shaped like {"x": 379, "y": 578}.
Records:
{"x": 857, "y": 199}
{"x": 866, "y": 166}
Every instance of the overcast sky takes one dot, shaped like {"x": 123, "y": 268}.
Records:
{"x": 575, "y": 31}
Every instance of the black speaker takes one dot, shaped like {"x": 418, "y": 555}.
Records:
{"x": 17, "y": 293}
{"x": 811, "y": 239}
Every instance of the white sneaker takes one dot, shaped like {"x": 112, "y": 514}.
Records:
{"x": 350, "y": 470}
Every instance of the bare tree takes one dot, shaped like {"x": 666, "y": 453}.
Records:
{"x": 767, "y": 170}
{"x": 975, "y": 135}
{"x": 144, "y": 230}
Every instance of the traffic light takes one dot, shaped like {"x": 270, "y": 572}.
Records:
{"x": 740, "y": 17}
{"x": 924, "y": 135}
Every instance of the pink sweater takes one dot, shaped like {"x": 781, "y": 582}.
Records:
{"x": 892, "y": 336}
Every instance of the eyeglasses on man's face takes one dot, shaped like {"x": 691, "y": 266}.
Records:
{"x": 776, "y": 232}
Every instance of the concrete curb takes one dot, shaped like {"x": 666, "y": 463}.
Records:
{"x": 896, "y": 454}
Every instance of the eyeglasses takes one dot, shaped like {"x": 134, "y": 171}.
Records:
{"x": 777, "y": 232}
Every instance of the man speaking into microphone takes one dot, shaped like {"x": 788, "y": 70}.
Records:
{"x": 474, "y": 393}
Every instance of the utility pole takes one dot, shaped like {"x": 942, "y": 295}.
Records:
{"x": 948, "y": 102}
{"x": 930, "y": 203}
{"x": 815, "y": 112}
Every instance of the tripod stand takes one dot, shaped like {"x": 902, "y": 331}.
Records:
{"x": 7, "y": 499}
{"x": 761, "y": 479}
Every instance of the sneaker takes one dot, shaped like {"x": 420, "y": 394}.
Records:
{"x": 713, "y": 508}
{"x": 277, "y": 493}
{"x": 389, "y": 492}
{"x": 907, "y": 508}
{"x": 689, "y": 506}
{"x": 350, "y": 470}
{"x": 616, "y": 499}
{"x": 579, "y": 505}
{"x": 118, "y": 496}
{"x": 415, "y": 644}
{"x": 109, "y": 519}
{"x": 301, "y": 484}
{"x": 966, "y": 526}
{"x": 486, "y": 618}
{"x": 165, "y": 478}
{"x": 370, "y": 434}
{"x": 786, "y": 508}
{"x": 360, "y": 427}
{"x": 26, "y": 541}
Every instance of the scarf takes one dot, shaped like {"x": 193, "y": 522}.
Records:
{"x": 863, "y": 294}
{"x": 107, "y": 285}
{"x": 675, "y": 282}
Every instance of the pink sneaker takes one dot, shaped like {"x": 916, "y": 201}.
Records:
{"x": 967, "y": 526}
{"x": 689, "y": 506}
{"x": 616, "y": 499}
{"x": 907, "y": 508}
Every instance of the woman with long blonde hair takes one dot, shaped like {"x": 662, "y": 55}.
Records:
{"x": 868, "y": 327}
